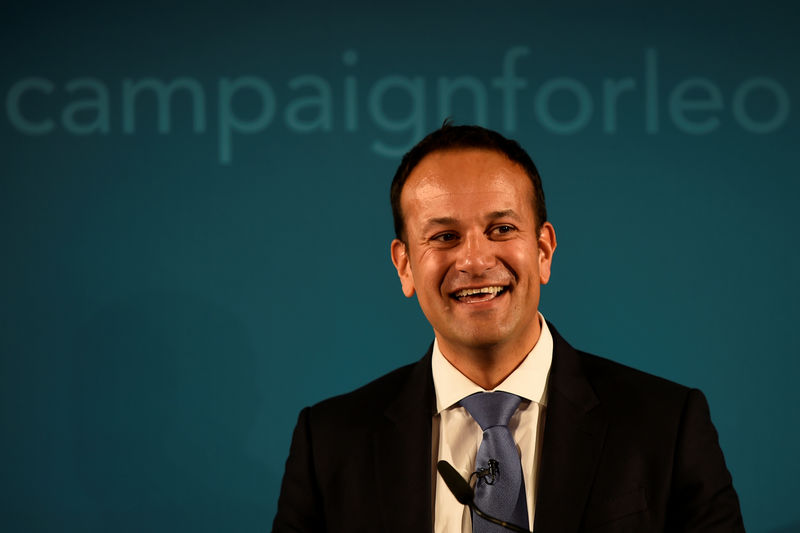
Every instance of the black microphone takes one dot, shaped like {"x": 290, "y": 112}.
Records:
{"x": 457, "y": 484}
{"x": 465, "y": 495}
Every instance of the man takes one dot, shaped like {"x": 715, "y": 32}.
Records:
{"x": 600, "y": 446}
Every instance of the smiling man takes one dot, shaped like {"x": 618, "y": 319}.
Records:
{"x": 473, "y": 251}
{"x": 552, "y": 439}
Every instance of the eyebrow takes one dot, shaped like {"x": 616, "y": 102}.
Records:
{"x": 438, "y": 221}
{"x": 451, "y": 221}
{"x": 506, "y": 213}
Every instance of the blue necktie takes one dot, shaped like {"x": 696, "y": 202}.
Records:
{"x": 500, "y": 489}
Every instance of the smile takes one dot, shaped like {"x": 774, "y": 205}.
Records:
{"x": 480, "y": 294}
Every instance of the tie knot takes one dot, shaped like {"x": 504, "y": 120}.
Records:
{"x": 491, "y": 409}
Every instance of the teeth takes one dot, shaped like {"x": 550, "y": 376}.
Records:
{"x": 481, "y": 290}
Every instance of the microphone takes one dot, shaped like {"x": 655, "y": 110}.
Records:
{"x": 466, "y": 496}
{"x": 457, "y": 484}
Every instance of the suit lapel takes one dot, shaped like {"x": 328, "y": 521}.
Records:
{"x": 574, "y": 432}
{"x": 575, "y": 428}
{"x": 402, "y": 447}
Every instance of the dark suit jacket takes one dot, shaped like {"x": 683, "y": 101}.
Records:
{"x": 622, "y": 451}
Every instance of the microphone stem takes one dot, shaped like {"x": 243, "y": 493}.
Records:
{"x": 501, "y": 523}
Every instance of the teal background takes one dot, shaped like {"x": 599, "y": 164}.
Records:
{"x": 165, "y": 314}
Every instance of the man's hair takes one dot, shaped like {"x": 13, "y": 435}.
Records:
{"x": 450, "y": 137}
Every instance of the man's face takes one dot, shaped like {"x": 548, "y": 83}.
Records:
{"x": 473, "y": 257}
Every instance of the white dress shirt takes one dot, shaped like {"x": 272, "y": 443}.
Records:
{"x": 459, "y": 435}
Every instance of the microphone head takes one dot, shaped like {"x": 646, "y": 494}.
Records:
{"x": 457, "y": 484}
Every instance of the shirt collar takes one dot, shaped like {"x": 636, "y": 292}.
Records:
{"x": 528, "y": 380}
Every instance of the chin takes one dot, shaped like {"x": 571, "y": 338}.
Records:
{"x": 481, "y": 339}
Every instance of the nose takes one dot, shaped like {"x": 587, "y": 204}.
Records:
{"x": 475, "y": 255}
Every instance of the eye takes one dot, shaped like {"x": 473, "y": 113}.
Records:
{"x": 502, "y": 229}
{"x": 446, "y": 236}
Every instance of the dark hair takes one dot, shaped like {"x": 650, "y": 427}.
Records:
{"x": 450, "y": 137}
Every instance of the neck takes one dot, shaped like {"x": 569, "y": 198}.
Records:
{"x": 487, "y": 365}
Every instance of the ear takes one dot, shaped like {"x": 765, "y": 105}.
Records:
{"x": 547, "y": 246}
{"x": 402, "y": 263}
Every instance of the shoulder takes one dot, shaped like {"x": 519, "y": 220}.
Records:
{"x": 654, "y": 435}
{"x": 628, "y": 392}
{"x": 620, "y": 390}
{"x": 371, "y": 396}
{"x": 610, "y": 375}
{"x": 371, "y": 401}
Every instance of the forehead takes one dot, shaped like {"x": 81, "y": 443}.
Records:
{"x": 475, "y": 177}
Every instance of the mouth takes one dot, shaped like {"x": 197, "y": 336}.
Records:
{"x": 479, "y": 294}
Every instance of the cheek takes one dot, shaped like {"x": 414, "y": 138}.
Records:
{"x": 432, "y": 270}
{"x": 523, "y": 261}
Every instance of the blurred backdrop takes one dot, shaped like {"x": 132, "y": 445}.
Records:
{"x": 194, "y": 222}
